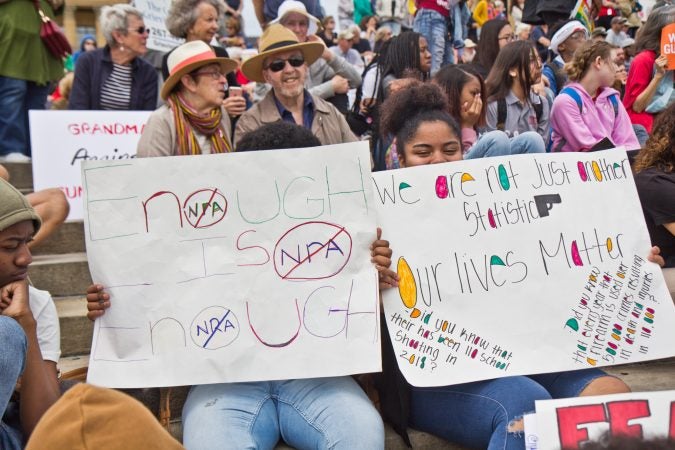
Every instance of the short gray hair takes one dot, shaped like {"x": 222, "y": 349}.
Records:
{"x": 115, "y": 18}
{"x": 183, "y": 14}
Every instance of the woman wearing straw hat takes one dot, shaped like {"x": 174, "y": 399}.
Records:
{"x": 193, "y": 120}
{"x": 283, "y": 63}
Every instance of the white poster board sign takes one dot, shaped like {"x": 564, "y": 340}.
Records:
{"x": 154, "y": 16}
{"x": 520, "y": 265}
{"x": 568, "y": 423}
{"x": 61, "y": 140}
{"x": 236, "y": 267}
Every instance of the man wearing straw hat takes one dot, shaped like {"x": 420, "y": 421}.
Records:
{"x": 283, "y": 63}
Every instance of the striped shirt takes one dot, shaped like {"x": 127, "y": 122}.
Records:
{"x": 116, "y": 90}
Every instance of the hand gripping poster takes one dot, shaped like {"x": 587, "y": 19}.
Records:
{"x": 520, "y": 265}
{"x": 236, "y": 267}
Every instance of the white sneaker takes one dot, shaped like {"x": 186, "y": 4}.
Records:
{"x": 15, "y": 157}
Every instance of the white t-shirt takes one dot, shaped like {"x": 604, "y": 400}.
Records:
{"x": 48, "y": 331}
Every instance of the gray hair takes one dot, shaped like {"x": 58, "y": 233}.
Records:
{"x": 183, "y": 14}
{"x": 115, "y": 18}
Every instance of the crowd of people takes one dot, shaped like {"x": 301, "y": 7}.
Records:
{"x": 424, "y": 81}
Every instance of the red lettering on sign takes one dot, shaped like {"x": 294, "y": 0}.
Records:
{"x": 571, "y": 417}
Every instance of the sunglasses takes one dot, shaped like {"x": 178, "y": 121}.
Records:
{"x": 140, "y": 30}
{"x": 278, "y": 64}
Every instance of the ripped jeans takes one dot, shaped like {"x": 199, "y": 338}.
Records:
{"x": 481, "y": 414}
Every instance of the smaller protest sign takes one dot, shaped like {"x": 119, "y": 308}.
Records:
{"x": 569, "y": 423}
{"x": 668, "y": 45}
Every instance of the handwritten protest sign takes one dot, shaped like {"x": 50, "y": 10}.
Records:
{"x": 520, "y": 265}
{"x": 568, "y": 423}
{"x": 61, "y": 140}
{"x": 668, "y": 45}
{"x": 154, "y": 16}
{"x": 238, "y": 267}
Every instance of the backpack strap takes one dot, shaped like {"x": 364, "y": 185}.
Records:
{"x": 501, "y": 114}
{"x": 575, "y": 96}
{"x": 615, "y": 104}
{"x": 539, "y": 108}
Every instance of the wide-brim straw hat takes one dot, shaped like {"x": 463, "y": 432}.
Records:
{"x": 189, "y": 57}
{"x": 294, "y": 6}
{"x": 279, "y": 39}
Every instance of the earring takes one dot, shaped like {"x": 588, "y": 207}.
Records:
{"x": 121, "y": 47}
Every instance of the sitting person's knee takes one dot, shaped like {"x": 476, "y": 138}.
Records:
{"x": 605, "y": 385}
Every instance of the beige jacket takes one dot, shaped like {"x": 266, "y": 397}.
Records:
{"x": 159, "y": 135}
{"x": 329, "y": 125}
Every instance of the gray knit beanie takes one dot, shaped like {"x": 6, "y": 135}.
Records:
{"x": 14, "y": 207}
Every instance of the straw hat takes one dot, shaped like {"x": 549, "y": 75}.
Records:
{"x": 294, "y": 6}
{"x": 279, "y": 39}
{"x": 191, "y": 56}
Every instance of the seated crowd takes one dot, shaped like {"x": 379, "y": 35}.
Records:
{"x": 418, "y": 99}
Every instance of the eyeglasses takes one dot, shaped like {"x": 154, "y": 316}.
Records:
{"x": 508, "y": 37}
{"x": 278, "y": 64}
{"x": 140, "y": 30}
{"x": 214, "y": 74}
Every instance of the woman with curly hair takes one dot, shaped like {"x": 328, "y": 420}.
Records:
{"x": 195, "y": 20}
{"x": 588, "y": 112}
{"x": 484, "y": 414}
{"x": 655, "y": 181}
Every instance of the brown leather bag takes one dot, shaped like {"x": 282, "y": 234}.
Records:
{"x": 51, "y": 35}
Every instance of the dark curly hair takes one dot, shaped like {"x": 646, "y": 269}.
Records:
{"x": 277, "y": 135}
{"x": 629, "y": 443}
{"x": 659, "y": 151}
{"x": 403, "y": 112}
{"x": 452, "y": 79}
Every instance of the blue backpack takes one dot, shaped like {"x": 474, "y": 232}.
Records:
{"x": 577, "y": 99}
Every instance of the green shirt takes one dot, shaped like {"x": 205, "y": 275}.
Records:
{"x": 22, "y": 53}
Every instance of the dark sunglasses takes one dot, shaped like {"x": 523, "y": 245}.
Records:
{"x": 278, "y": 64}
{"x": 141, "y": 30}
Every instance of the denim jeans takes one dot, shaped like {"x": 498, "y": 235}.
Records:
{"x": 314, "y": 413}
{"x": 479, "y": 414}
{"x": 12, "y": 362}
{"x": 497, "y": 143}
{"x": 460, "y": 22}
{"x": 433, "y": 26}
{"x": 16, "y": 98}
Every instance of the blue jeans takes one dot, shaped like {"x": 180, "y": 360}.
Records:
{"x": 314, "y": 413}
{"x": 12, "y": 362}
{"x": 434, "y": 27}
{"x": 16, "y": 98}
{"x": 497, "y": 143}
{"x": 460, "y": 21}
{"x": 479, "y": 414}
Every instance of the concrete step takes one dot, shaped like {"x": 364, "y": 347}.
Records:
{"x": 61, "y": 275}
{"x": 76, "y": 329}
{"x": 641, "y": 377}
{"x": 20, "y": 175}
{"x": 67, "y": 238}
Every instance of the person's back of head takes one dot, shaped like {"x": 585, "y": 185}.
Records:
{"x": 277, "y": 135}
{"x": 649, "y": 35}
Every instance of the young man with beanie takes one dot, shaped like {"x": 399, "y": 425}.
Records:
{"x": 21, "y": 334}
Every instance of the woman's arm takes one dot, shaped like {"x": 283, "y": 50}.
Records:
{"x": 643, "y": 99}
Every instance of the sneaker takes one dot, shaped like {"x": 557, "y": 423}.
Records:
{"x": 15, "y": 157}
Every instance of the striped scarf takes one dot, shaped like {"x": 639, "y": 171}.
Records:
{"x": 187, "y": 120}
